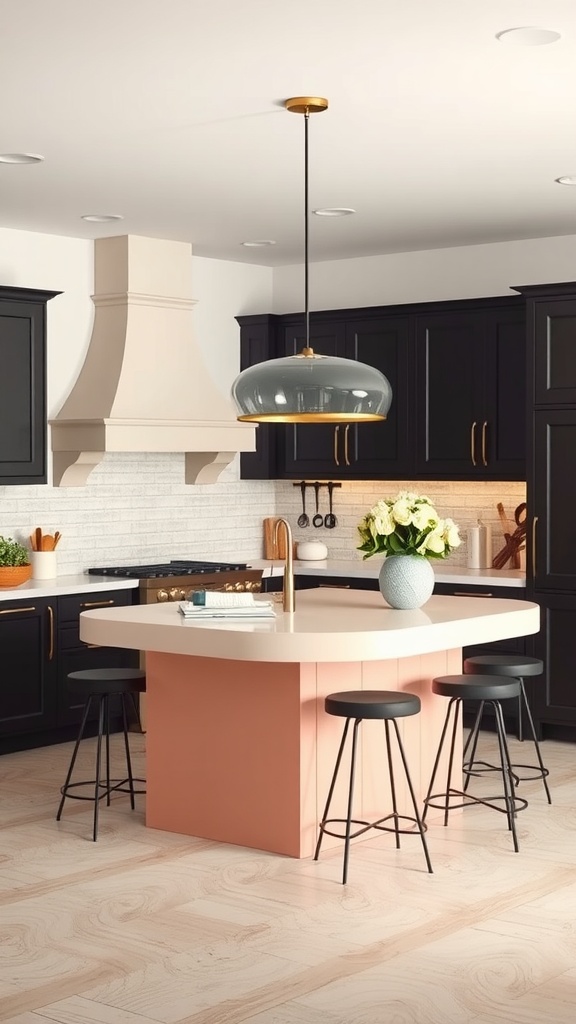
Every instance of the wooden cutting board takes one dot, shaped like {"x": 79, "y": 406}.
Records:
{"x": 273, "y": 550}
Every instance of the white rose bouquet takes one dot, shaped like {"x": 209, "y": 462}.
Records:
{"x": 407, "y": 525}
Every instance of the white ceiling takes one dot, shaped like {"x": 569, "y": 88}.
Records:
{"x": 170, "y": 112}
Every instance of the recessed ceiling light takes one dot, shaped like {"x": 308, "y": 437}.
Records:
{"x": 528, "y": 35}
{"x": 566, "y": 179}
{"x": 335, "y": 211}
{"x": 257, "y": 242}
{"x": 21, "y": 158}
{"x": 101, "y": 218}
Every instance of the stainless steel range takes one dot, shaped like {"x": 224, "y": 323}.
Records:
{"x": 173, "y": 581}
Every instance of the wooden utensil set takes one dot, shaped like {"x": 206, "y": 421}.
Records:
{"x": 44, "y": 541}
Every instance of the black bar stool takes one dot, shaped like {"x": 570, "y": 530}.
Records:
{"x": 97, "y": 686}
{"x": 489, "y": 690}
{"x": 518, "y": 667}
{"x": 357, "y": 705}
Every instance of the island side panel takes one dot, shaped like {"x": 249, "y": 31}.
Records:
{"x": 243, "y": 752}
{"x": 227, "y": 744}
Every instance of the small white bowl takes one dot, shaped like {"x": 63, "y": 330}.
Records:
{"x": 311, "y": 550}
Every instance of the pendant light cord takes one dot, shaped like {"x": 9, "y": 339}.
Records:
{"x": 306, "y": 309}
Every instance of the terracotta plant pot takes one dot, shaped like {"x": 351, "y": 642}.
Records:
{"x": 14, "y": 575}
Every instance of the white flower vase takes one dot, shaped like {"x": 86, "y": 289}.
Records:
{"x": 406, "y": 581}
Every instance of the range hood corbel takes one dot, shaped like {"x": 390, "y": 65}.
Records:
{"x": 144, "y": 386}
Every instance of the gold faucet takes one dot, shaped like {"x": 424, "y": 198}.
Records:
{"x": 288, "y": 598}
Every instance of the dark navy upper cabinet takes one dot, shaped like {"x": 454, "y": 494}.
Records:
{"x": 23, "y": 385}
{"x": 471, "y": 392}
{"x": 458, "y": 376}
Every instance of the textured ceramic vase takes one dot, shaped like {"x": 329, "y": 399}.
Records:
{"x": 406, "y": 581}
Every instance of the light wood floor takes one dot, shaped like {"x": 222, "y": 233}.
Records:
{"x": 146, "y": 926}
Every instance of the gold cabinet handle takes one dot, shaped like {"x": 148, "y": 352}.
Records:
{"x": 473, "y": 443}
{"x": 465, "y": 593}
{"x": 91, "y": 647}
{"x": 484, "y": 429}
{"x": 17, "y": 611}
{"x": 346, "y": 429}
{"x": 94, "y": 604}
{"x": 336, "y": 431}
{"x": 534, "y": 522}
{"x": 51, "y": 646}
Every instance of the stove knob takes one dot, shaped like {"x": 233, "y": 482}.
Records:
{"x": 162, "y": 595}
{"x": 228, "y": 587}
{"x": 239, "y": 588}
{"x": 175, "y": 594}
{"x": 252, "y": 585}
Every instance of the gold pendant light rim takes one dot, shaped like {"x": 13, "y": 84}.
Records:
{"x": 311, "y": 417}
{"x": 306, "y": 104}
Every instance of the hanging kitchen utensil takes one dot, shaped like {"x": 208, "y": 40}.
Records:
{"x": 303, "y": 519}
{"x": 318, "y": 520}
{"x": 330, "y": 520}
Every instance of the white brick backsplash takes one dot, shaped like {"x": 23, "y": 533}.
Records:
{"x": 136, "y": 508}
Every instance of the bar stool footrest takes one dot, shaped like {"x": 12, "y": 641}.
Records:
{"x": 116, "y": 788}
{"x": 367, "y": 825}
{"x": 519, "y": 803}
{"x": 479, "y": 768}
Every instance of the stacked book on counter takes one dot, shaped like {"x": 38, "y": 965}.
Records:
{"x": 206, "y": 604}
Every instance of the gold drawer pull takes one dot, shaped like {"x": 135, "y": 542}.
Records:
{"x": 91, "y": 647}
{"x": 473, "y": 443}
{"x": 16, "y": 611}
{"x": 484, "y": 429}
{"x": 333, "y": 586}
{"x": 94, "y": 604}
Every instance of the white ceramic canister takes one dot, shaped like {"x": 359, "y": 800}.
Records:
{"x": 479, "y": 547}
{"x": 311, "y": 550}
{"x": 44, "y": 565}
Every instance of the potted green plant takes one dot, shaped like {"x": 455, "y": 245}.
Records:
{"x": 15, "y": 567}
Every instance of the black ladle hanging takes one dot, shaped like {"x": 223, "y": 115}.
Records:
{"x": 330, "y": 520}
{"x": 318, "y": 519}
{"x": 303, "y": 519}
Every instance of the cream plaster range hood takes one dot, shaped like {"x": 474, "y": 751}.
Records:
{"x": 144, "y": 386}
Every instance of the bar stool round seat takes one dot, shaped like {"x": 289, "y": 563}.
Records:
{"x": 519, "y": 667}
{"x": 372, "y": 704}
{"x": 376, "y": 705}
{"x": 98, "y": 686}
{"x": 485, "y": 689}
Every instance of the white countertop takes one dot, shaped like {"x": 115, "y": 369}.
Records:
{"x": 327, "y": 626}
{"x": 79, "y": 583}
{"x": 368, "y": 570}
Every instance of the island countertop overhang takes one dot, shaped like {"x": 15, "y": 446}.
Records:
{"x": 327, "y": 626}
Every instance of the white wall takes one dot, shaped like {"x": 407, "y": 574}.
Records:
{"x": 458, "y": 273}
{"x": 225, "y": 290}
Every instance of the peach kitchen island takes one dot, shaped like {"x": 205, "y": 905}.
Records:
{"x": 239, "y": 748}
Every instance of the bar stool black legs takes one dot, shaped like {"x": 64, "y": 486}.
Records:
{"x": 355, "y": 706}
{"x": 516, "y": 667}
{"x": 487, "y": 690}
{"x": 98, "y": 686}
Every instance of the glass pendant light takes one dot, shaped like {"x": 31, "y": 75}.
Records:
{"x": 310, "y": 387}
